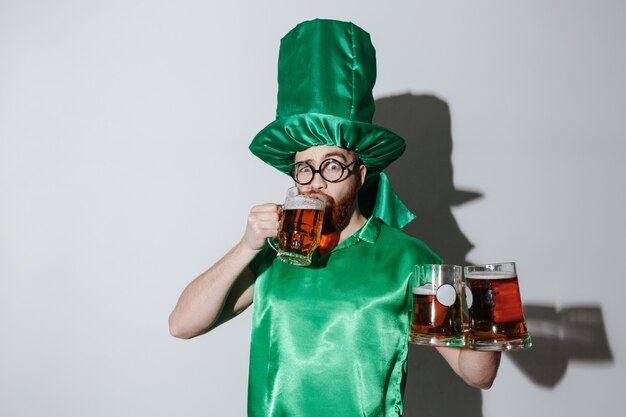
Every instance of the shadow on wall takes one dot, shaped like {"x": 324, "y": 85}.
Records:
{"x": 574, "y": 333}
{"x": 423, "y": 178}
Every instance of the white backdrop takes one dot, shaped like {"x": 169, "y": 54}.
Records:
{"x": 124, "y": 173}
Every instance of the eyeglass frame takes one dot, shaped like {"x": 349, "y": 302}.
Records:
{"x": 343, "y": 166}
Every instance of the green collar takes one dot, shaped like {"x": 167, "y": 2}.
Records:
{"x": 368, "y": 233}
{"x": 370, "y": 230}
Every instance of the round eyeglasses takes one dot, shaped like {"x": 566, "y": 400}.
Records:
{"x": 330, "y": 169}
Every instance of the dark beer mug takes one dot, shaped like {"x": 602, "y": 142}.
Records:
{"x": 300, "y": 226}
{"x": 437, "y": 318}
{"x": 496, "y": 318}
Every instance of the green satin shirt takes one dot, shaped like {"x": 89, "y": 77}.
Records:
{"x": 331, "y": 339}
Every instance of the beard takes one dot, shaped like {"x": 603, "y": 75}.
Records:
{"x": 338, "y": 212}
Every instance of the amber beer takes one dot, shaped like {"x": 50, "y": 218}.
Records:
{"x": 432, "y": 318}
{"x": 437, "y": 306}
{"x": 300, "y": 226}
{"x": 299, "y": 233}
{"x": 496, "y": 315}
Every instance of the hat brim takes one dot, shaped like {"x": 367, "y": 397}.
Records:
{"x": 279, "y": 141}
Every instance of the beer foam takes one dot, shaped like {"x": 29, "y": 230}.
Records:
{"x": 491, "y": 275}
{"x": 425, "y": 290}
{"x": 303, "y": 202}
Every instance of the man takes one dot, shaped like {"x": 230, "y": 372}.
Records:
{"x": 330, "y": 338}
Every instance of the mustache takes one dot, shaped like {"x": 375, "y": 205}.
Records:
{"x": 330, "y": 201}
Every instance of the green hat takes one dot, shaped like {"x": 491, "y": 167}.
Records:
{"x": 326, "y": 73}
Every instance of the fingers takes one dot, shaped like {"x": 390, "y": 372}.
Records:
{"x": 266, "y": 208}
{"x": 263, "y": 222}
{"x": 266, "y": 216}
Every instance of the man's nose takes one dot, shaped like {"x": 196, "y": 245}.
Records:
{"x": 318, "y": 182}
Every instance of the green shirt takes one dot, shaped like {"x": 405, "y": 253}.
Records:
{"x": 331, "y": 339}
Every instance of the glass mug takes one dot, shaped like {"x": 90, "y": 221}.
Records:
{"x": 300, "y": 226}
{"x": 437, "y": 316}
{"x": 496, "y": 318}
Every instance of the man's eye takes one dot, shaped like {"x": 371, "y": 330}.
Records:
{"x": 304, "y": 169}
{"x": 332, "y": 166}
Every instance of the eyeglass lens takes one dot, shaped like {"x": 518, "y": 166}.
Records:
{"x": 330, "y": 169}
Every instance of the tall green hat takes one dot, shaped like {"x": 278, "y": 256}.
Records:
{"x": 326, "y": 73}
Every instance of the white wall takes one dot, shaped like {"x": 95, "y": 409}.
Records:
{"x": 124, "y": 172}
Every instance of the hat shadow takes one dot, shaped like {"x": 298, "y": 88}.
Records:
{"x": 423, "y": 179}
{"x": 423, "y": 176}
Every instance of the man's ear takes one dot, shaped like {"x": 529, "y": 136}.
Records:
{"x": 362, "y": 173}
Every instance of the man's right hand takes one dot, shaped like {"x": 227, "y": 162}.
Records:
{"x": 263, "y": 222}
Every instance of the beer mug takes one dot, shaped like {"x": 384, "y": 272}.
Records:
{"x": 496, "y": 317}
{"x": 437, "y": 316}
{"x": 300, "y": 226}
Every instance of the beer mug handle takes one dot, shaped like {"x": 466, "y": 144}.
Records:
{"x": 273, "y": 242}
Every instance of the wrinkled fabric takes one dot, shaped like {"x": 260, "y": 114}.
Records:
{"x": 278, "y": 142}
{"x": 387, "y": 205}
{"x": 331, "y": 339}
{"x": 326, "y": 67}
{"x": 326, "y": 74}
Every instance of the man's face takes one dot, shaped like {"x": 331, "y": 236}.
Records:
{"x": 341, "y": 195}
